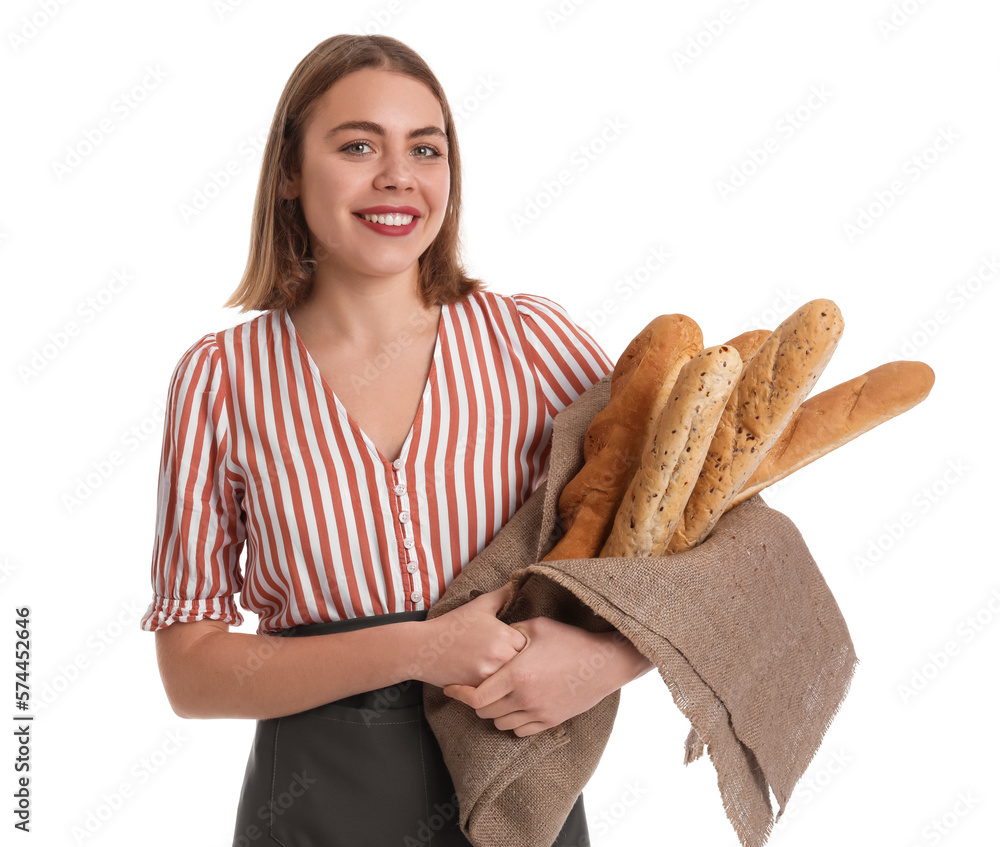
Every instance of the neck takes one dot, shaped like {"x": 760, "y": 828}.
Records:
{"x": 364, "y": 314}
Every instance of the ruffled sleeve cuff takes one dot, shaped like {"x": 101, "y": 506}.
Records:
{"x": 164, "y": 611}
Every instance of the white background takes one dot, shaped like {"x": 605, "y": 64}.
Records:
{"x": 895, "y": 520}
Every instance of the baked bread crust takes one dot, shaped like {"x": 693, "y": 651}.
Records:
{"x": 674, "y": 455}
{"x": 838, "y": 415}
{"x": 773, "y": 384}
{"x": 640, "y": 386}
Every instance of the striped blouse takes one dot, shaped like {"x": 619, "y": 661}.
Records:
{"x": 259, "y": 452}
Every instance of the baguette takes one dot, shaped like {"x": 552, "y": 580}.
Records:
{"x": 838, "y": 415}
{"x": 748, "y": 343}
{"x": 640, "y": 383}
{"x": 674, "y": 455}
{"x": 773, "y": 384}
{"x": 644, "y": 374}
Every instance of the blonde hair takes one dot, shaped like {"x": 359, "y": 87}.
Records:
{"x": 280, "y": 265}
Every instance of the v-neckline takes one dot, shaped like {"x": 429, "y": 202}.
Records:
{"x": 422, "y": 406}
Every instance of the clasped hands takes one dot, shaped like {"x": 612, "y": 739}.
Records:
{"x": 558, "y": 672}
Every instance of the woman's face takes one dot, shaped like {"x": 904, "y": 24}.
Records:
{"x": 375, "y": 146}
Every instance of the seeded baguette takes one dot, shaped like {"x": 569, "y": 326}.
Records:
{"x": 748, "y": 343}
{"x": 838, "y": 415}
{"x": 640, "y": 386}
{"x": 772, "y": 385}
{"x": 674, "y": 455}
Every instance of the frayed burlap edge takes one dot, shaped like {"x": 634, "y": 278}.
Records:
{"x": 511, "y": 790}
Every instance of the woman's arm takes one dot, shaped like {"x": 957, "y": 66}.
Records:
{"x": 563, "y": 671}
{"x": 210, "y": 672}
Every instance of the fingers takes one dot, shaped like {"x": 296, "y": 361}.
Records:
{"x": 494, "y": 600}
{"x": 493, "y": 688}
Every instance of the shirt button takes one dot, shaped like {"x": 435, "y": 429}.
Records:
{"x": 407, "y": 543}
{"x": 398, "y": 464}
{"x": 400, "y": 489}
{"x": 415, "y": 596}
{"x": 411, "y": 567}
{"x": 404, "y": 517}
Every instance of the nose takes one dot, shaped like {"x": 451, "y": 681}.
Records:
{"x": 395, "y": 171}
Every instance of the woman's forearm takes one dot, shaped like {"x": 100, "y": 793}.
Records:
{"x": 209, "y": 672}
{"x": 634, "y": 664}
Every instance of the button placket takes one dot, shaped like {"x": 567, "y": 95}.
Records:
{"x": 399, "y": 489}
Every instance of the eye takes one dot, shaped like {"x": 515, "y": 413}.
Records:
{"x": 353, "y": 148}
{"x": 428, "y": 151}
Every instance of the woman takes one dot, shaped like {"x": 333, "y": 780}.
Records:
{"x": 368, "y": 434}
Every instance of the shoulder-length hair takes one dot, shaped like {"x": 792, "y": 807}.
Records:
{"x": 280, "y": 266}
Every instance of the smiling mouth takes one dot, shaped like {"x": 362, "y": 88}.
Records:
{"x": 387, "y": 220}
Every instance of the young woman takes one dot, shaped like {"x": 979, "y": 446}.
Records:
{"x": 364, "y": 438}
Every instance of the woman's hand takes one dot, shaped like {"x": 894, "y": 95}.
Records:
{"x": 562, "y": 672}
{"x": 468, "y": 644}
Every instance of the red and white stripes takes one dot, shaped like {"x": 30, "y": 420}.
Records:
{"x": 259, "y": 452}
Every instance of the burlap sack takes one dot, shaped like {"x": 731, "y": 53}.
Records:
{"x": 743, "y": 630}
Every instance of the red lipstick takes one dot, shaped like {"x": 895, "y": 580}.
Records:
{"x": 389, "y": 229}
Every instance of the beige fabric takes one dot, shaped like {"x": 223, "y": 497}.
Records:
{"x": 743, "y": 630}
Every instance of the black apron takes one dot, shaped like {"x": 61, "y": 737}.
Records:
{"x": 364, "y": 771}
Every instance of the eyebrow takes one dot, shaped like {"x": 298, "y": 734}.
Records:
{"x": 378, "y": 129}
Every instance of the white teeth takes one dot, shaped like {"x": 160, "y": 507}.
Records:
{"x": 389, "y": 220}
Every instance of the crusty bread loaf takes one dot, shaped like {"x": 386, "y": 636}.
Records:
{"x": 644, "y": 373}
{"x": 640, "y": 383}
{"x": 674, "y": 455}
{"x": 838, "y": 415}
{"x": 773, "y": 384}
{"x": 748, "y": 343}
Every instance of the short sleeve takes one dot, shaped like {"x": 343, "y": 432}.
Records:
{"x": 566, "y": 358}
{"x": 200, "y": 523}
